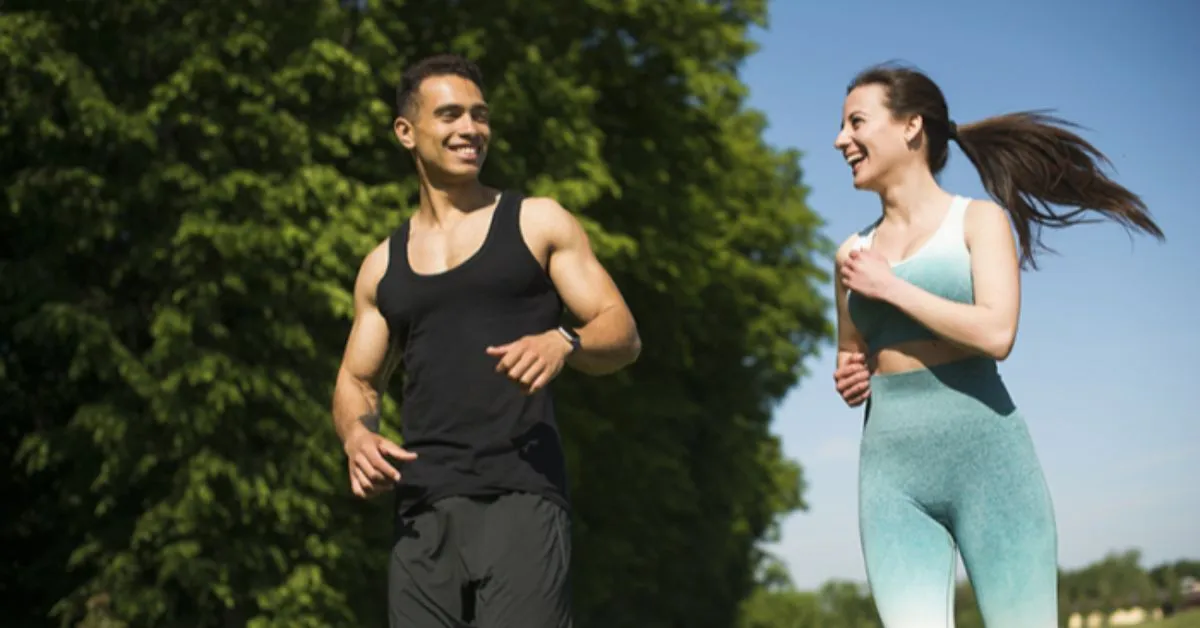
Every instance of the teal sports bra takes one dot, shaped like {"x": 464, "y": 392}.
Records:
{"x": 942, "y": 266}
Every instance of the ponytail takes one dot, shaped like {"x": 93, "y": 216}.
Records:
{"x": 1028, "y": 161}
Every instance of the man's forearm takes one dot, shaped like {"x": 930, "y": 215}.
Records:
{"x": 607, "y": 343}
{"x": 355, "y": 406}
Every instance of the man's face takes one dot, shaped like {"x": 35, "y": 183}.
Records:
{"x": 446, "y": 126}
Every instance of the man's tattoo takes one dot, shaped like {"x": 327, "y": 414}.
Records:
{"x": 371, "y": 420}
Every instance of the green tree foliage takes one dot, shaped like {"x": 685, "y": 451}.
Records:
{"x": 189, "y": 189}
{"x": 1115, "y": 582}
{"x": 966, "y": 608}
{"x": 850, "y": 604}
{"x": 776, "y": 603}
{"x": 784, "y": 609}
{"x": 178, "y": 240}
{"x": 1169, "y": 578}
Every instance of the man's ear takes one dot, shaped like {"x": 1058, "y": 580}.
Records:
{"x": 404, "y": 132}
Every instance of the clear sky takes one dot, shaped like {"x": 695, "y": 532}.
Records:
{"x": 1105, "y": 362}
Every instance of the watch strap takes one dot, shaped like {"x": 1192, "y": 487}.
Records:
{"x": 571, "y": 336}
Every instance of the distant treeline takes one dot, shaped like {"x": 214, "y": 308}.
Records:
{"x": 1117, "y": 581}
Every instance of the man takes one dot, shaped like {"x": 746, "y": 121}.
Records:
{"x": 468, "y": 294}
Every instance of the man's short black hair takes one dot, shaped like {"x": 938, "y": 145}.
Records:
{"x": 437, "y": 65}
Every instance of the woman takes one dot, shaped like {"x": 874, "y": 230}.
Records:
{"x": 928, "y": 299}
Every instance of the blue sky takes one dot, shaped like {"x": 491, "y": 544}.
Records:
{"x": 1105, "y": 362}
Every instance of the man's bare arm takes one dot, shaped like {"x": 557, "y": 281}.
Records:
{"x": 363, "y": 373}
{"x": 609, "y": 337}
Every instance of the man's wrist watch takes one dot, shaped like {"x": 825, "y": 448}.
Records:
{"x": 571, "y": 336}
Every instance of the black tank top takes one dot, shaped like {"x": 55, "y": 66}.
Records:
{"x": 474, "y": 431}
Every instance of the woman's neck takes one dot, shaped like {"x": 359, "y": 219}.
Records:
{"x": 914, "y": 195}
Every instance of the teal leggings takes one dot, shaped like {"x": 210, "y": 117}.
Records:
{"x": 947, "y": 464}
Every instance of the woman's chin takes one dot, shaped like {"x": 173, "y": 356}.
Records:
{"x": 862, "y": 181}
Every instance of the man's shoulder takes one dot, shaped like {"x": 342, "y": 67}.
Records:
{"x": 374, "y": 265}
{"x": 544, "y": 207}
{"x": 546, "y": 217}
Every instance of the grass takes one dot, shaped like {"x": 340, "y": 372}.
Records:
{"x": 1188, "y": 619}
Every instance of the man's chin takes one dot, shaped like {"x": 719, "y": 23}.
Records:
{"x": 454, "y": 171}
{"x": 464, "y": 169}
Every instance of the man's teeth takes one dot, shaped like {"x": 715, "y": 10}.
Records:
{"x": 854, "y": 160}
{"x": 466, "y": 151}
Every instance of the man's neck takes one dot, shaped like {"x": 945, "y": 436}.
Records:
{"x": 444, "y": 204}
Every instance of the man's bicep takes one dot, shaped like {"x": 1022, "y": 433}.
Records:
{"x": 584, "y": 285}
{"x": 367, "y": 346}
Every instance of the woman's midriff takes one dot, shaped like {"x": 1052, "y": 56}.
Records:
{"x": 916, "y": 355}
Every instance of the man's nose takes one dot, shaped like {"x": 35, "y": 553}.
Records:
{"x": 468, "y": 126}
